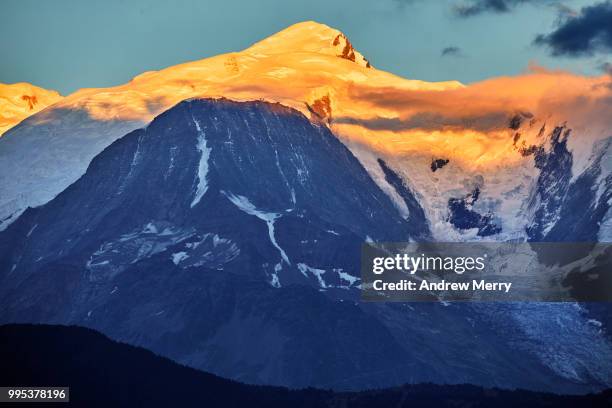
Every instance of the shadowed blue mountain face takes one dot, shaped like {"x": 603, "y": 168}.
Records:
{"x": 227, "y": 237}
{"x": 569, "y": 210}
{"x": 552, "y": 185}
{"x": 416, "y": 217}
{"x": 462, "y": 215}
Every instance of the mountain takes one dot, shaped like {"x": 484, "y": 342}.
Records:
{"x": 226, "y": 235}
{"x": 18, "y": 101}
{"x": 486, "y": 133}
{"x": 101, "y": 372}
{"x": 319, "y": 58}
{"x": 59, "y": 143}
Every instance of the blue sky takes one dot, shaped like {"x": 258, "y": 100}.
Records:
{"x": 71, "y": 44}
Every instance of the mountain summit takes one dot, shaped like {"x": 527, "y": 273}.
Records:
{"x": 311, "y": 37}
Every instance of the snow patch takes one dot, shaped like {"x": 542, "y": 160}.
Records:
{"x": 179, "y": 256}
{"x": 316, "y": 272}
{"x": 114, "y": 256}
{"x": 203, "y": 167}
{"x": 275, "y": 282}
{"x": 32, "y": 230}
{"x": 245, "y": 205}
{"x": 209, "y": 250}
{"x": 346, "y": 277}
{"x": 595, "y": 322}
{"x": 150, "y": 228}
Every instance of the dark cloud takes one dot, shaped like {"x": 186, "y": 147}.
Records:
{"x": 430, "y": 121}
{"x": 475, "y": 7}
{"x": 451, "y": 51}
{"x": 565, "y": 11}
{"x": 587, "y": 33}
{"x": 471, "y": 8}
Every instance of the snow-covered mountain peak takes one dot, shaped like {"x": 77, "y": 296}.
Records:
{"x": 20, "y": 100}
{"x": 309, "y": 67}
{"x": 310, "y": 37}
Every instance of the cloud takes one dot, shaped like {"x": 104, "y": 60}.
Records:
{"x": 430, "y": 121}
{"x": 475, "y": 7}
{"x": 587, "y": 33}
{"x": 474, "y": 119}
{"x": 565, "y": 11}
{"x": 451, "y": 51}
{"x": 487, "y": 105}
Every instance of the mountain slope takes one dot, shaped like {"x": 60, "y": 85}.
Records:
{"x": 192, "y": 225}
{"x": 103, "y": 373}
{"x": 226, "y": 236}
{"x": 18, "y": 101}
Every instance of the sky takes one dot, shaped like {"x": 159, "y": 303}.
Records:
{"x": 70, "y": 44}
